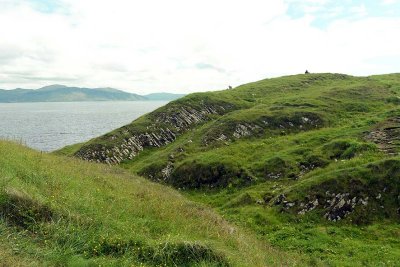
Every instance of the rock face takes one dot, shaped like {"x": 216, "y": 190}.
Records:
{"x": 340, "y": 205}
{"x": 167, "y": 171}
{"x": 387, "y": 136}
{"x": 278, "y": 124}
{"x": 128, "y": 148}
{"x": 187, "y": 116}
{"x": 308, "y": 206}
{"x": 163, "y": 128}
{"x": 245, "y": 129}
{"x": 334, "y": 206}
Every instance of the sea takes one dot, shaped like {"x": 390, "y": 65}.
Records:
{"x": 52, "y": 125}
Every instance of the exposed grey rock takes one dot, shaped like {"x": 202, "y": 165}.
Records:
{"x": 267, "y": 198}
{"x": 241, "y": 130}
{"x": 288, "y": 205}
{"x": 129, "y": 147}
{"x": 274, "y": 175}
{"x": 336, "y": 206}
{"x": 222, "y": 137}
{"x": 259, "y": 201}
{"x": 309, "y": 206}
{"x": 340, "y": 206}
{"x": 166, "y": 172}
{"x": 305, "y": 119}
{"x": 386, "y": 137}
{"x": 363, "y": 202}
{"x": 279, "y": 200}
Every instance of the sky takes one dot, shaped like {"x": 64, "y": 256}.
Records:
{"x": 185, "y": 46}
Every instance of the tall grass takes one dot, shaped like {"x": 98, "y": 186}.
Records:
{"x": 102, "y": 215}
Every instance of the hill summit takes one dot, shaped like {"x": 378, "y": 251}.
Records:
{"x": 309, "y": 154}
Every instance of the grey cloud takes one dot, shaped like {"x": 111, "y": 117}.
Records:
{"x": 114, "y": 67}
{"x": 10, "y": 53}
{"x": 49, "y": 78}
{"x": 145, "y": 78}
{"x": 26, "y": 77}
{"x": 203, "y": 66}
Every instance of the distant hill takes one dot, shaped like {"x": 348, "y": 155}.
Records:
{"x": 62, "y": 93}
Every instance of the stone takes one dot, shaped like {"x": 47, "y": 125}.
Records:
{"x": 167, "y": 171}
{"x": 180, "y": 120}
{"x": 280, "y": 199}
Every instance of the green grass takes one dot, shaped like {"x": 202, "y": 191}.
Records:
{"x": 284, "y": 153}
{"x": 61, "y": 211}
{"x": 368, "y": 237}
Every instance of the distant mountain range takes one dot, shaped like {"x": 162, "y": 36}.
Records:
{"x": 62, "y": 93}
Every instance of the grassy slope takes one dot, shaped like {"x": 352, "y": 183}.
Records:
{"x": 348, "y": 107}
{"x": 62, "y": 211}
{"x": 338, "y": 107}
{"x": 372, "y": 243}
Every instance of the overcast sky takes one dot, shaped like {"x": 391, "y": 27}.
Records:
{"x": 185, "y": 46}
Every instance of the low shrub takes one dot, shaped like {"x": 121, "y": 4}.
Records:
{"x": 19, "y": 209}
{"x": 201, "y": 175}
{"x": 344, "y": 149}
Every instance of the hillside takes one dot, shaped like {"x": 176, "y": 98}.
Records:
{"x": 310, "y": 163}
{"x": 58, "y": 211}
{"x": 61, "y": 93}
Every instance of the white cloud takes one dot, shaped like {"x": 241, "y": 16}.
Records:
{"x": 389, "y": 2}
{"x": 181, "y": 45}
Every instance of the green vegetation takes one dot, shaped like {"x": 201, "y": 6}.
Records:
{"x": 61, "y": 211}
{"x": 298, "y": 170}
{"x": 309, "y": 163}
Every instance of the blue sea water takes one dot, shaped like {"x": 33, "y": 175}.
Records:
{"x": 53, "y": 125}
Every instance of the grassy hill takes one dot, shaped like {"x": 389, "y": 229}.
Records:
{"x": 62, "y": 93}
{"x": 308, "y": 163}
{"x": 62, "y": 211}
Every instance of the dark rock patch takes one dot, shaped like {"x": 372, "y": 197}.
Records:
{"x": 193, "y": 175}
{"x": 344, "y": 149}
{"x": 276, "y": 168}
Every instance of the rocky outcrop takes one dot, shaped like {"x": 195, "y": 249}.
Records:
{"x": 128, "y": 148}
{"x": 273, "y": 124}
{"x": 167, "y": 171}
{"x": 245, "y": 129}
{"x": 308, "y": 206}
{"x": 163, "y": 128}
{"x": 183, "y": 118}
{"x": 387, "y": 136}
{"x": 340, "y": 205}
{"x": 334, "y": 206}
